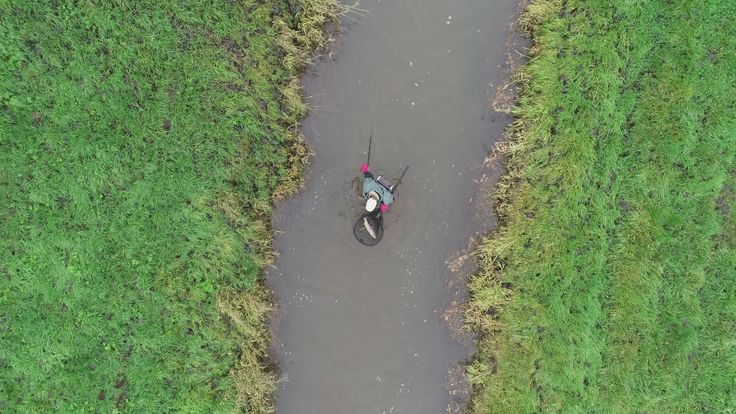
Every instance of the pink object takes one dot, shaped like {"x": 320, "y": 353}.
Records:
{"x": 364, "y": 168}
{"x": 384, "y": 208}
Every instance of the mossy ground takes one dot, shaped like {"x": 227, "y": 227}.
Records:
{"x": 141, "y": 146}
{"x": 611, "y": 284}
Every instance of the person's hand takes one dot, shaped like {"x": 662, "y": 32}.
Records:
{"x": 384, "y": 208}
{"x": 364, "y": 168}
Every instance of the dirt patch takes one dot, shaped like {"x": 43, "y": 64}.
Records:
{"x": 516, "y": 46}
{"x": 724, "y": 200}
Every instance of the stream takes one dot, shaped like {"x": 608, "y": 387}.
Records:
{"x": 363, "y": 329}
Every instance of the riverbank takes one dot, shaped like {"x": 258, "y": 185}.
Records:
{"x": 609, "y": 285}
{"x": 142, "y": 147}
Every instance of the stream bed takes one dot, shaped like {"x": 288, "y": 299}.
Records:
{"x": 364, "y": 329}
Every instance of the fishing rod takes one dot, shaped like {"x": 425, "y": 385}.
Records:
{"x": 393, "y": 188}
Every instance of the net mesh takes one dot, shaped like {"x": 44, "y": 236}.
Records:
{"x": 365, "y": 225}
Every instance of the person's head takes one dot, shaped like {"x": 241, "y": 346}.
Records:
{"x": 372, "y": 203}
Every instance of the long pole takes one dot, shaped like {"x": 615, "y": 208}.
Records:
{"x": 400, "y": 178}
{"x": 370, "y": 141}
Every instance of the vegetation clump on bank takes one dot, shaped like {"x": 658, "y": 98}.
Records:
{"x": 142, "y": 144}
{"x": 610, "y": 285}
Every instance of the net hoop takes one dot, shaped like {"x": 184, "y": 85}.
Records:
{"x": 362, "y": 234}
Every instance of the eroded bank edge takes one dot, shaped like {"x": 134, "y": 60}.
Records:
{"x": 462, "y": 265}
{"x": 492, "y": 185}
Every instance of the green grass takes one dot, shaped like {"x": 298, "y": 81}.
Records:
{"x": 610, "y": 286}
{"x": 141, "y": 146}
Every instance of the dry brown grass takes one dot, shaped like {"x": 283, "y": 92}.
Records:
{"x": 248, "y": 313}
{"x": 302, "y": 42}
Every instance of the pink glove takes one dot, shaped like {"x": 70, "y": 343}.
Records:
{"x": 364, "y": 168}
{"x": 384, "y": 208}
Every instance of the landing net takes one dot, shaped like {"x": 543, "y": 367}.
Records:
{"x": 368, "y": 229}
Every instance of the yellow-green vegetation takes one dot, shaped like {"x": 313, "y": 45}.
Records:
{"x": 610, "y": 286}
{"x": 141, "y": 146}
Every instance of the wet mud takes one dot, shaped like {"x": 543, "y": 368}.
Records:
{"x": 378, "y": 329}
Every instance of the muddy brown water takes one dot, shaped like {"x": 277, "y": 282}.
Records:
{"x": 362, "y": 329}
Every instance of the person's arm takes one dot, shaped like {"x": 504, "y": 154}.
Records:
{"x": 365, "y": 171}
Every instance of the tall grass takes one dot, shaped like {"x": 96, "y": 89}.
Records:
{"x": 610, "y": 285}
{"x": 141, "y": 146}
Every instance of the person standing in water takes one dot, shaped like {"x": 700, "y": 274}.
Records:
{"x": 379, "y": 195}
